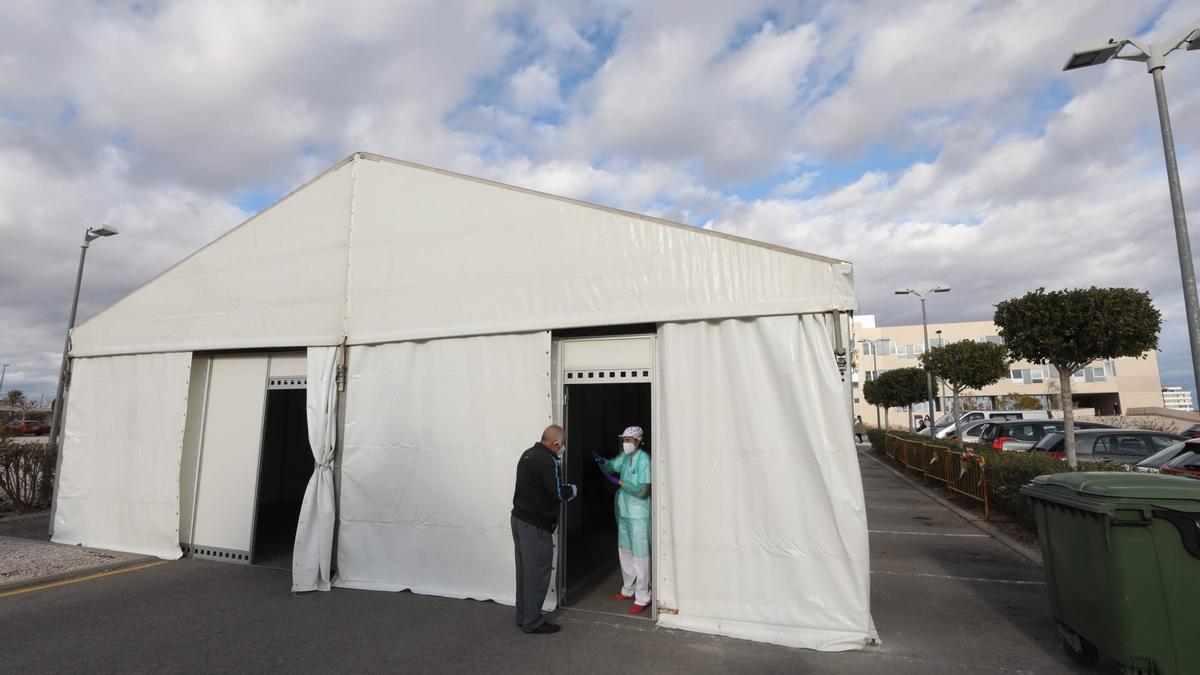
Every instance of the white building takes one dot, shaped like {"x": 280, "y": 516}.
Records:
{"x": 1177, "y": 398}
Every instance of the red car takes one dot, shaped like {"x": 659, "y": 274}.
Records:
{"x": 29, "y": 427}
{"x": 1187, "y": 464}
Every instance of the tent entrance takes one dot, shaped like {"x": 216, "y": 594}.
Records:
{"x": 604, "y": 384}
{"x": 226, "y": 441}
{"x": 284, "y": 469}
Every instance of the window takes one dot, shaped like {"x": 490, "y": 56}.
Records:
{"x": 1018, "y": 375}
{"x": 994, "y": 339}
{"x": 1122, "y": 445}
{"x": 1023, "y": 432}
{"x": 1160, "y": 442}
{"x": 971, "y": 417}
{"x": 868, "y": 348}
{"x": 1036, "y": 376}
{"x": 882, "y": 347}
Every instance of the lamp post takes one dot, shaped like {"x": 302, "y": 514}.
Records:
{"x": 875, "y": 365}
{"x": 1154, "y": 55}
{"x": 3, "y": 372}
{"x": 941, "y": 382}
{"x": 55, "y": 419}
{"x": 925, "y": 328}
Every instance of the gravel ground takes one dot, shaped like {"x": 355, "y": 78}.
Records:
{"x": 26, "y": 559}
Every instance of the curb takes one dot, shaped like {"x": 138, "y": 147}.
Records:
{"x": 1032, "y": 555}
{"x": 71, "y": 574}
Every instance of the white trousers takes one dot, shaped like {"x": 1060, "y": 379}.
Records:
{"x": 635, "y": 573}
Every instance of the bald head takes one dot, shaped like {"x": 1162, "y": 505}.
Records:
{"x": 553, "y": 435}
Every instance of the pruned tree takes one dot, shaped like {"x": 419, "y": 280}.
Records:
{"x": 966, "y": 365}
{"x": 903, "y": 387}
{"x": 873, "y": 394}
{"x": 1069, "y": 329}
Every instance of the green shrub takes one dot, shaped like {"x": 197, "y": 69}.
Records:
{"x": 22, "y": 471}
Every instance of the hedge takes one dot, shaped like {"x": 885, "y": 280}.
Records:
{"x": 22, "y": 466}
{"x": 1006, "y": 473}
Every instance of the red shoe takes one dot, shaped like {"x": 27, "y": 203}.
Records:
{"x": 622, "y": 596}
{"x": 637, "y": 609}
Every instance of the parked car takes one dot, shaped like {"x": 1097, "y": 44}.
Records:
{"x": 1187, "y": 464}
{"x": 945, "y": 424}
{"x": 1154, "y": 462}
{"x": 970, "y": 431}
{"x": 1121, "y": 446}
{"x": 1192, "y": 431}
{"x": 1021, "y": 435}
{"x": 29, "y": 427}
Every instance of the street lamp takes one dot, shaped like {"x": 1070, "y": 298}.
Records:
{"x": 3, "y": 372}
{"x": 875, "y": 365}
{"x": 91, "y": 234}
{"x": 925, "y": 328}
{"x": 941, "y": 382}
{"x": 1153, "y": 55}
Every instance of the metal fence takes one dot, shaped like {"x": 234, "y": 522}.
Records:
{"x": 963, "y": 473}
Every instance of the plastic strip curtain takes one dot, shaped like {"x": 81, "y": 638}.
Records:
{"x": 433, "y": 434}
{"x": 122, "y": 448}
{"x": 313, "y": 550}
{"x": 761, "y": 515}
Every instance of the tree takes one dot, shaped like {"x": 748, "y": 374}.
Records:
{"x": 15, "y": 398}
{"x": 901, "y": 387}
{"x": 874, "y": 395}
{"x": 966, "y": 365}
{"x": 1018, "y": 402}
{"x": 1071, "y": 328}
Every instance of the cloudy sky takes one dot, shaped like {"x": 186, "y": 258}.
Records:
{"x": 927, "y": 142}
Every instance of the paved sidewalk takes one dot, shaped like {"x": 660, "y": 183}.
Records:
{"x": 946, "y": 598}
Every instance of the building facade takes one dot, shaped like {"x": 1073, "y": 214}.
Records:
{"x": 1104, "y": 386}
{"x": 1177, "y": 398}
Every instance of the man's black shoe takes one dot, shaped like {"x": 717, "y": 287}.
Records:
{"x": 546, "y": 627}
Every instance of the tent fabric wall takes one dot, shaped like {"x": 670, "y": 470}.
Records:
{"x": 277, "y": 280}
{"x": 123, "y": 441}
{"x": 368, "y": 240}
{"x": 761, "y": 520}
{"x": 313, "y": 548}
{"x": 607, "y": 267}
{"x": 432, "y": 438}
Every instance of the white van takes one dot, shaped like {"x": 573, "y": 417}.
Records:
{"x": 945, "y": 424}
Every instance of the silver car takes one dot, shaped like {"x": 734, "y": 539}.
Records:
{"x": 1121, "y": 446}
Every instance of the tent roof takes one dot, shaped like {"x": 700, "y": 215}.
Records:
{"x": 376, "y": 249}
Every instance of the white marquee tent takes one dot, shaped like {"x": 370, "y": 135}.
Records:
{"x": 423, "y": 312}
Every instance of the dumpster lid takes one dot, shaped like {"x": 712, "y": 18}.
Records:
{"x": 1120, "y": 485}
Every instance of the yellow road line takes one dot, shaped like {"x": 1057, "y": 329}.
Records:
{"x": 76, "y": 580}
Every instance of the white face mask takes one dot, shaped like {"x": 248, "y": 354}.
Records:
{"x": 628, "y": 447}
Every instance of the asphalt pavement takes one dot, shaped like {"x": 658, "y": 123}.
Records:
{"x": 946, "y": 598}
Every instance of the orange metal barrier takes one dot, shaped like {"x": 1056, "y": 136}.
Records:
{"x": 963, "y": 473}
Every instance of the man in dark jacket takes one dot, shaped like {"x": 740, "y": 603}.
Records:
{"x": 536, "y": 498}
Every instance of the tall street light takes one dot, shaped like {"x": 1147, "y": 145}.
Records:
{"x": 1153, "y": 55}
{"x": 91, "y": 234}
{"x": 875, "y": 376}
{"x": 925, "y": 328}
{"x": 941, "y": 382}
{"x": 3, "y": 372}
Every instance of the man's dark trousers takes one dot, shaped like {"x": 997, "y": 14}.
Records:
{"x": 534, "y": 549}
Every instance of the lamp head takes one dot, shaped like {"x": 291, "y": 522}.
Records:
{"x": 904, "y": 291}
{"x": 941, "y": 289}
{"x": 102, "y": 231}
{"x": 1094, "y": 55}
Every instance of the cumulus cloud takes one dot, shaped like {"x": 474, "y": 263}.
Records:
{"x": 939, "y": 144}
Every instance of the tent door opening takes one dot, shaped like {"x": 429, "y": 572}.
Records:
{"x": 283, "y": 472}
{"x": 606, "y": 387}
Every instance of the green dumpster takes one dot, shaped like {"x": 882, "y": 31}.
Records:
{"x": 1121, "y": 553}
